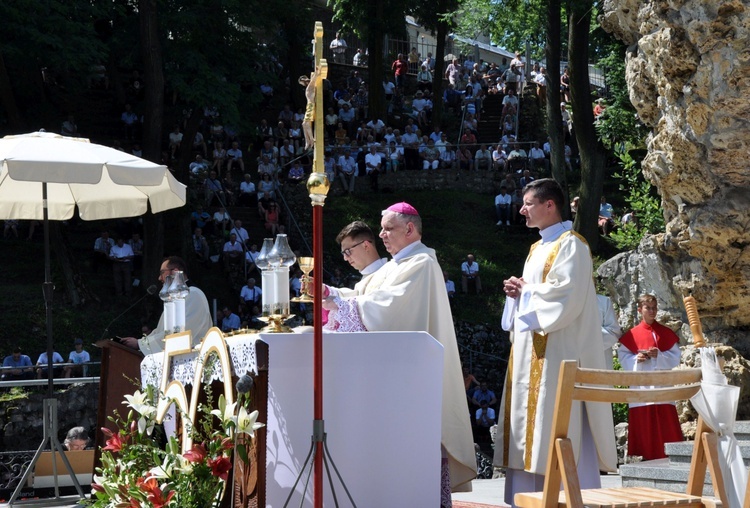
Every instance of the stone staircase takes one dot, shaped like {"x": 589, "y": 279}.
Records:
{"x": 671, "y": 474}
{"x": 488, "y": 126}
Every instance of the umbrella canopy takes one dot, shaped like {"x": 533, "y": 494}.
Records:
{"x": 105, "y": 183}
{"x": 449, "y": 57}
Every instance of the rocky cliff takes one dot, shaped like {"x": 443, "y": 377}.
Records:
{"x": 688, "y": 72}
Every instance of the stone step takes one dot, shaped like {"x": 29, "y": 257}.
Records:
{"x": 742, "y": 430}
{"x": 660, "y": 474}
{"x": 681, "y": 453}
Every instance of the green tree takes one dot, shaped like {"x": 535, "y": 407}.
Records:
{"x": 509, "y": 23}
{"x": 621, "y": 131}
{"x": 371, "y": 21}
{"x": 592, "y": 154}
{"x": 55, "y": 36}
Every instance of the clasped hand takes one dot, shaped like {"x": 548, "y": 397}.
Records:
{"x": 647, "y": 354}
{"x": 513, "y": 286}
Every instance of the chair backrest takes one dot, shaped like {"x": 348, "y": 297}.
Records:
{"x": 595, "y": 385}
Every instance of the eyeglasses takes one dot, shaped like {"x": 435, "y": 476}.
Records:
{"x": 348, "y": 252}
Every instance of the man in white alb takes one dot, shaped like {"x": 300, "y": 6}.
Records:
{"x": 553, "y": 315}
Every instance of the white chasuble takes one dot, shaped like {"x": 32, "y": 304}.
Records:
{"x": 410, "y": 295}
{"x": 555, "y": 318}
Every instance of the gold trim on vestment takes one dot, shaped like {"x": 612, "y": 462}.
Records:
{"x": 538, "y": 351}
{"x": 506, "y": 411}
{"x": 535, "y": 381}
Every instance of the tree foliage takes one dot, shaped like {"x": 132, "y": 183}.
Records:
{"x": 509, "y": 23}
{"x": 620, "y": 130}
{"x": 642, "y": 200}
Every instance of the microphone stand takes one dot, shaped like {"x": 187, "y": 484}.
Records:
{"x": 149, "y": 292}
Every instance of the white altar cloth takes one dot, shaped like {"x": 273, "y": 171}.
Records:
{"x": 381, "y": 407}
{"x": 241, "y": 352}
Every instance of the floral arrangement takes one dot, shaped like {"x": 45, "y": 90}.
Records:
{"x": 139, "y": 471}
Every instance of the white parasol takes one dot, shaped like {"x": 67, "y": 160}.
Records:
{"x": 103, "y": 182}
{"x": 717, "y": 405}
{"x": 45, "y": 176}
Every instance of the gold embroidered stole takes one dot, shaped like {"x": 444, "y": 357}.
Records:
{"x": 539, "y": 348}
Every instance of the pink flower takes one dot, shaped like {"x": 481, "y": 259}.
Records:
{"x": 220, "y": 467}
{"x": 155, "y": 495}
{"x": 114, "y": 443}
{"x": 196, "y": 454}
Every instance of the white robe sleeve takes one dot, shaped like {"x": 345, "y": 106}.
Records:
{"x": 668, "y": 360}
{"x": 611, "y": 331}
{"x": 346, "y": 318}
{"x": 627, "y": 358}
{"x": 509, "y": 314}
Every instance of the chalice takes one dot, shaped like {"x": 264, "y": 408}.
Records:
{"x": 306, "y": 264}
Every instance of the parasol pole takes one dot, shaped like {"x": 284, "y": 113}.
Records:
{"x": 50, "y": 403}
{"x": 47, "y": 291}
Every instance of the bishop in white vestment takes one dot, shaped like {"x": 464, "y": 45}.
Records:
{"x": 408, "y": 293}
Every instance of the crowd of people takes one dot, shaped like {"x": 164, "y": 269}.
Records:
{"x": 18, "y": 366}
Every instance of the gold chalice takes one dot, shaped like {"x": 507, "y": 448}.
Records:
{"x": 306, "y": 264}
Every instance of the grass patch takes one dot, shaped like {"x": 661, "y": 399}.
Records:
{"x": 455, "y": 224}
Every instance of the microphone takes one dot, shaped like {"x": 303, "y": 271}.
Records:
{"x": 245, "y": 383}
{"x": 151, "y": 290}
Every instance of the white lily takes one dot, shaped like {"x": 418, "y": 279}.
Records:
{"x": 163, "y": 471}
{"x": 227, "y": 415}
{"x": 246, "y": 422}
{"x": 140, "y": 403}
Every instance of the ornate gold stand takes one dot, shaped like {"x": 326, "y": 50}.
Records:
{"x": 276, "y": 323}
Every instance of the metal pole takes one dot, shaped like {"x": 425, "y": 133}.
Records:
{"x": 47, "y": 291}
{"x": 319, "y": 168}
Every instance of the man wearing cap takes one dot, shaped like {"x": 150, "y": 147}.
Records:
{"x": 553, "y": 315}
{"x": 411, "y": 296}
{"x": 77, "y": 357}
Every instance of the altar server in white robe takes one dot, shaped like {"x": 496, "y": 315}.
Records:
{"x": 553, "y": 315}
{"x": 411, "y": 297}
{"x": 358, "y": 248}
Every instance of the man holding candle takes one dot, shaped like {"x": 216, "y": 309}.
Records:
{"x": 408, "y": 294}
{"x": 197, "y": 313}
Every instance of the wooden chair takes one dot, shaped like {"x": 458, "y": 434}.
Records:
{"x": 598, "y": 386}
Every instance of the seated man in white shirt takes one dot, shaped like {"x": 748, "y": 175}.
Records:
{"x": 499, "y": 159}
{"x": 470, "y": 273}
{"x": 483, "y": 158}
{"x": 232, "y": 251}
{"x": 502, "y": 207}
{"x": 538, "y": 159}
{"x": 251, "y": 294}
{"x": 247, "y": 192}
{"x": 348, "y": 170}
{"x": 448, "y": 157}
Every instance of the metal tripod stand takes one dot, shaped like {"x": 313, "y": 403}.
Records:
{"x": 319, "y": 440}
{"x": 50, "y": 435}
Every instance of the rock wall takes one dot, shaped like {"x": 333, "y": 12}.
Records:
{"x": 22, "y": 424}
{"x": 688, "y": 73}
